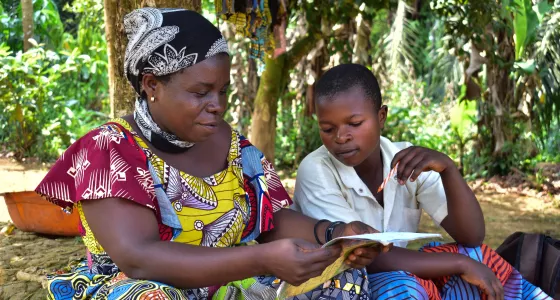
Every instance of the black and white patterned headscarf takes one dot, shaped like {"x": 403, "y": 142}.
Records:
{"x": 162, "y": 41}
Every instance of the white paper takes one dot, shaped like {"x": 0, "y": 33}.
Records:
{"x": 387, "y": 238}
{"x": 286, "y": 290}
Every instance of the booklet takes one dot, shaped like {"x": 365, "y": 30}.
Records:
{"x": 363, "y": 240}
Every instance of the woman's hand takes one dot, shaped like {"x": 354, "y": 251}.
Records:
{"x": 363, "y": 256}
{"x": 482, "y": 277}
{"x": 296, "y": 261}
{"x": 415, "y": 160}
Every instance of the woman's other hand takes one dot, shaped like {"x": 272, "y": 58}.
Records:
{"x": 363, "y": 256}
{"x": 296, "y": 261}
{"x": 482, "y": 277}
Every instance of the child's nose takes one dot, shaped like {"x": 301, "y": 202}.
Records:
{"x": 342, "y": 137}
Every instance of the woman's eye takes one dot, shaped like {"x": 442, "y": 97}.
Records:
{"x": 356, "y": 124}
{"x": 201, "y": 94}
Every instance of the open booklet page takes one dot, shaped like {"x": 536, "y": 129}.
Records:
{"x": 364, "y": 240}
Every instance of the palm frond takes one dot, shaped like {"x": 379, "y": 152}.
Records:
{"x": 400, "y": 42}
{"x": 547, "y": 57}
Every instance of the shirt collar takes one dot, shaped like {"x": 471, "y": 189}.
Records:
{"x": 350, "y": 177}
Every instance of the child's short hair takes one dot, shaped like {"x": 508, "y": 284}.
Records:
{"x": 344, "y": 77}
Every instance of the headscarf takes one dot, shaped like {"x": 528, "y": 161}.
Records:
{"x": 162, "y": 41}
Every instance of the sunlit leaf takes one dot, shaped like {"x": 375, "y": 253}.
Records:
{"x": 526, "y": 66}
{"x": 525, "y": 25}
{"x": 541, "y": 9}
{"x": 462, "y": 117}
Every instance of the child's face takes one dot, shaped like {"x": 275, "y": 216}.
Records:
{"x": 350, "y": 125}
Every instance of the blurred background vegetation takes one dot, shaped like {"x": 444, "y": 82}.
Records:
{"x": 477, "y": 80}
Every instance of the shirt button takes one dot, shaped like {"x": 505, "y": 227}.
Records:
{"x": 361, "y": 190}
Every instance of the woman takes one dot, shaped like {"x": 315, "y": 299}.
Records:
{"x": 176, "y": 171}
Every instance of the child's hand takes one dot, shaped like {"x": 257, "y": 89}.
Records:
{"x": 482, "y": 277}
{"x": 415, "y": 160}
{"x": 363, "y": 256}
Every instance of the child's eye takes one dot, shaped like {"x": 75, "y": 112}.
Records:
{"x": 356, "y": 124}
{"x": 328, "y": 130}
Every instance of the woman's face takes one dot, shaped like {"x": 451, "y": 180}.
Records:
{"x": 192, "y": 103}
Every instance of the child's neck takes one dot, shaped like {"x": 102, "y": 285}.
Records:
{"x": 372, "y": 164}
{"x": 371, "y": 173}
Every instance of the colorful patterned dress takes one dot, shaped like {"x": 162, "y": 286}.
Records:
{"x": 230, "y": 208}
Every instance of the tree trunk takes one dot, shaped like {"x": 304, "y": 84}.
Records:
{"x": 273, "y": 80}
{"x": 501, "y": 88}
{"x": 121, "y": 93}
{"x": 497, "y": 127}
{"x": 263, "y": 121}
{"x": 27, "y": 22}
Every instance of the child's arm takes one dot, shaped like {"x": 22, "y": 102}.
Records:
{"x": 434, "y": 265}
{"x": 318, "y": 195}
{"x": 464, "y": 221}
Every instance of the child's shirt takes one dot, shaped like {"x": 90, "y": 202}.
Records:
{"x": 328, "y": 189}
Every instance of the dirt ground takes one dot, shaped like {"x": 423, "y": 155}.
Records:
{"x": 25, "y": 258}
{"x": 17, "y": 177}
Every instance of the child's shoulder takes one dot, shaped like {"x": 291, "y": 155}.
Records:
{"x": 315, "y": 162}
{"x": 395, "y": 146}
{"x": 318, "y": 169}
{"x": 318, "y": 156}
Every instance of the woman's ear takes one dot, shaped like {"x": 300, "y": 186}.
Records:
{"x": 149, "y": 84}
{"x": 382, "y": 116}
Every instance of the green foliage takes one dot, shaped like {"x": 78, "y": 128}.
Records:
{"x": 41, "y": 115}
{"x": 57, "y": 91}
{"x": 531, "y": 28}
{"x": 53, "y": 96}
{"x": 401, "y": 41}
{"x": 463, "y": 119}
{"x": 412, "y": 124}
{"x": 415, "y": 119}
{"x": 546, "y": 55}
{"x": 48, "y": 27}
{"x": 296, "y": 134}
{"x": 525, "y": 22}
{"x": 421, "y": 61}
{"x": 89, "y": 82}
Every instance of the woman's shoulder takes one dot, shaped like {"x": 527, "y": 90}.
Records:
{"x": 104, "y": 163}
{"x": 114, "y": 134}
{"x": 100, "y": 137}
{"x": 245, "y": 144}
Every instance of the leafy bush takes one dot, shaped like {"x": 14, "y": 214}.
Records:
{"x": 48, "y": 27}
{"x": 54, "y": 92}
{"x": 42, "y": 114}
{"x": 297, "y": 135}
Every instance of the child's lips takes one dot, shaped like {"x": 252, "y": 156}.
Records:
{"x": 346, "y": 153}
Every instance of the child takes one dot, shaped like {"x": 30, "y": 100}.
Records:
{"x": 340, "y": 180}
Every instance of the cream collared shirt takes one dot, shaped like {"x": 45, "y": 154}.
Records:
{"x": 328, "y": 189}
